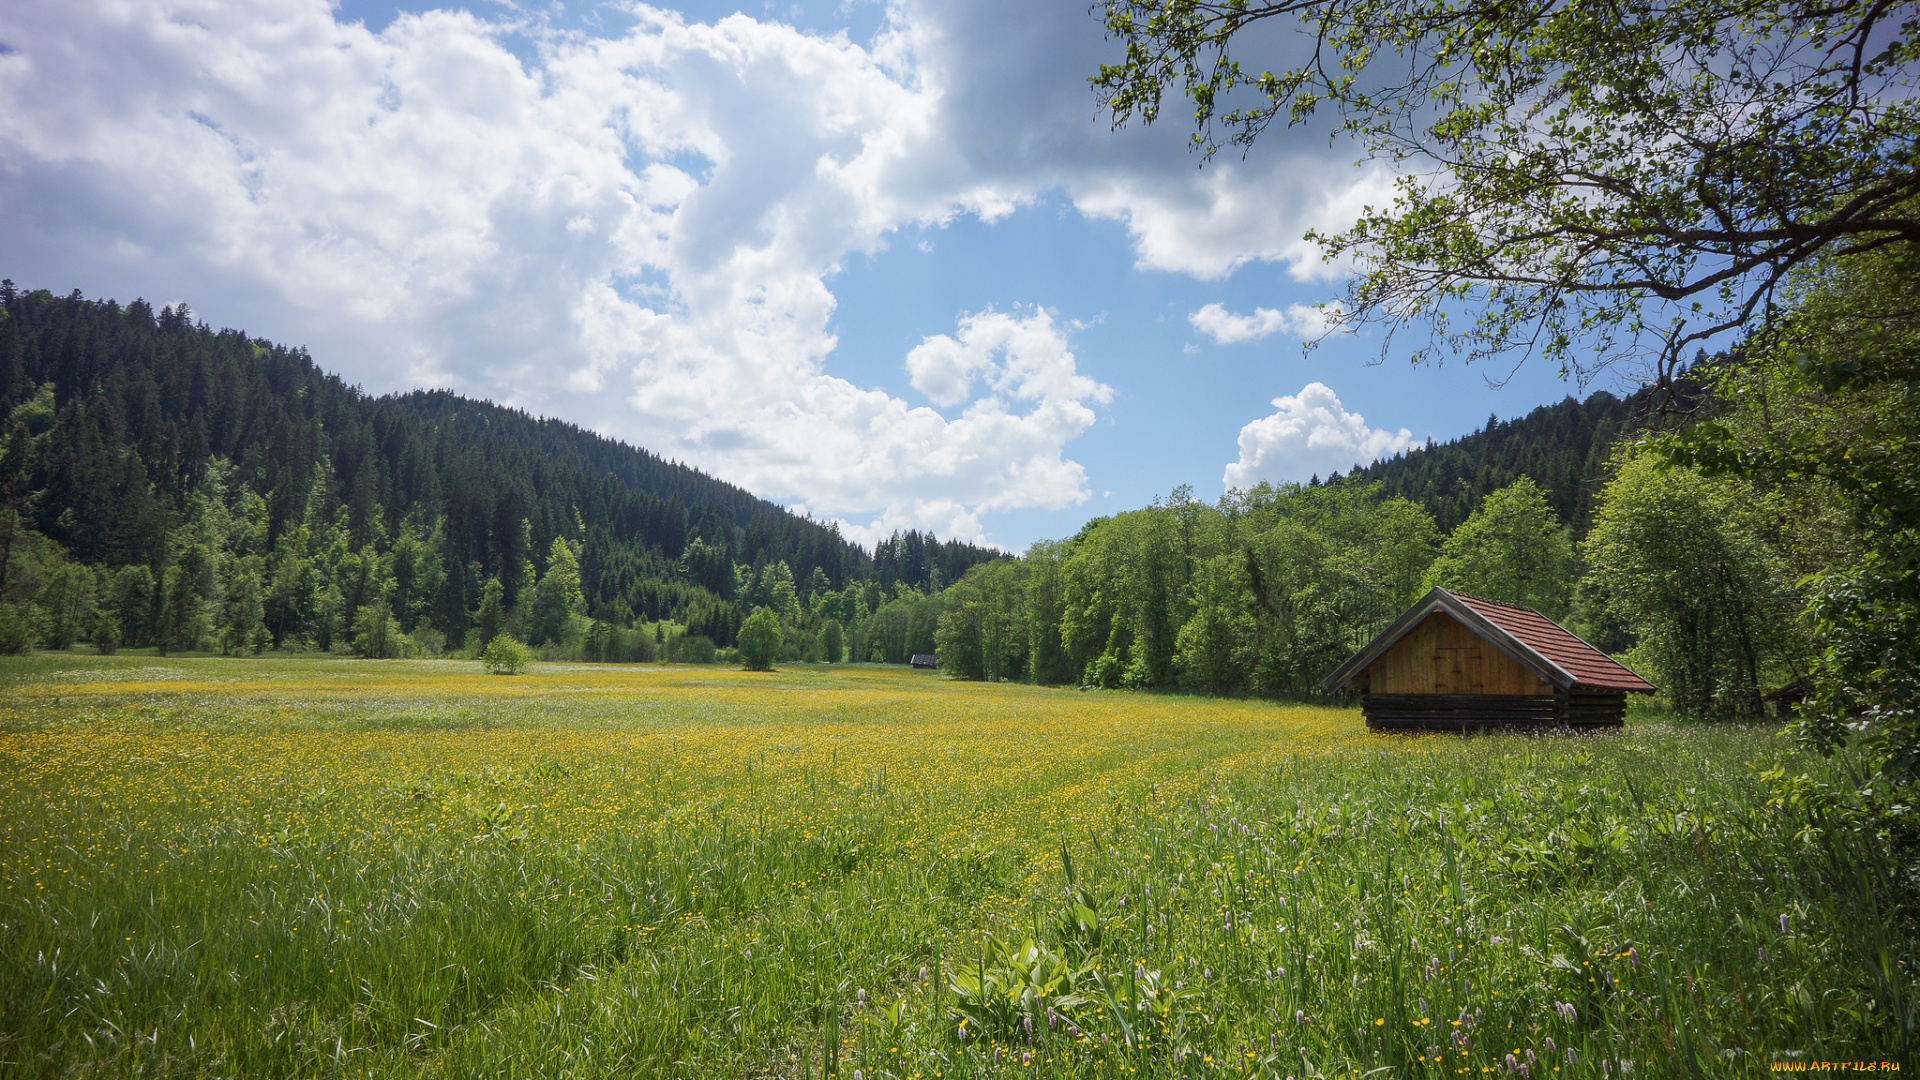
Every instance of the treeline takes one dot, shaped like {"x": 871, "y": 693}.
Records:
{"x": 1266, "y": 591}
{"x": 162, "y": 483}
{"x": 1576, "y": 510}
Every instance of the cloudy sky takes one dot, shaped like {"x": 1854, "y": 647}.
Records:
{"x": 884, "y": 262}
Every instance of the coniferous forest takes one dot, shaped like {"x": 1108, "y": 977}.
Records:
{"x": 1562, "y": 447}
{"x": 165, "y": 484}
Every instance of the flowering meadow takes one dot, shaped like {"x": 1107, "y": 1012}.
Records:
{"x": 415, "y": 869}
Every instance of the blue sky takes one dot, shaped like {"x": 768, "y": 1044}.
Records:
{"x": 880, "y": 261}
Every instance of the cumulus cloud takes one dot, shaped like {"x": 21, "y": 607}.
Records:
{"x": 1210, "y": 223}
{"x": 1226, "y": 328}
{"x": 635, "y": 232}
{"x": 1309, "y": 434}
{"x": 1033, "y": 362}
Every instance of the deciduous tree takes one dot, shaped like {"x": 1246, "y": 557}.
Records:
{"x": 1684, "y": 561}
{"x": 1513, "y": 549}
{"x": 1587, "y": 179}
{"x": 760, "y": 640}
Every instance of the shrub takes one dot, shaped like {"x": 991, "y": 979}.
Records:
{"x": 695, "y": 649}
{"x": 106, "y": 633}
{"x": 505, "y": 656}
{"x": 760, "y": 640}
{"x": 427, "y": 641}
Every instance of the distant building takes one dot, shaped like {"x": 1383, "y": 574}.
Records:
{"x": 925, "y": 660}
{"x": 1456, "y": 662}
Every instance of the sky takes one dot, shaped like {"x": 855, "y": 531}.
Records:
{"x": 885, "y": 263}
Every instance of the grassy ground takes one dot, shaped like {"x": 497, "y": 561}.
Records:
{"x": 330, "y": 867}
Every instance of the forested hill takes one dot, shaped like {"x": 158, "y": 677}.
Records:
{"x": 1563, "y": 447}
{"x": 120, "y": 416}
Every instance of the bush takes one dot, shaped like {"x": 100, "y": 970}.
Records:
{"x": 760, "y": 640}
{"x": 505, "y": 656}
{"x": 106, "y": 633}
{"x": 695, "y": 649}
{"x": 426, "y": 641}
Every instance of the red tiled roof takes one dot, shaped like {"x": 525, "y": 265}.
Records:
{"x": 1588, "y": 665}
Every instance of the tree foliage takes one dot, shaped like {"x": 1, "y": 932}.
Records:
{"x": 1695, "y": 568}
{"x": 760, "y": 640}
{"x": 1592, "y": 179}
{"x": 1827, "y": 414}
{"x": 982, "y": 632}
{"x": 1263, "y": 592}
{"x": 1513, "y": 549}
{"x": 1563, "y": 448}
{"x": 221, "y": 492}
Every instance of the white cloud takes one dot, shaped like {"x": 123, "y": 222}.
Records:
{"x": 1211, "y": 222}
{"x": 945, "y": 517}
{"x": 1309, "y": 434}
{"x": 1226, "y": 328}
{"x": 634, "y": 232}
{"x": 1014, "y": 117}
{"x": 1034, "y": 362}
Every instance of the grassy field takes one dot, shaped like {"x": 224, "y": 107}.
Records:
{"x": 350, "y": 868}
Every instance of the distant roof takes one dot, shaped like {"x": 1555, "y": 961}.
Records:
{"x": 1522, "y": 633}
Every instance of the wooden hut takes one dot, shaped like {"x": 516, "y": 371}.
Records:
{"x": 1456, "y": 662}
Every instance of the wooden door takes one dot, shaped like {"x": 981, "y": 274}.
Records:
{"x": 1459, "y": 671}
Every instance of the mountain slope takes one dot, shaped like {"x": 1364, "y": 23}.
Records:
{"x": 1563, "y": 447}
{"x": 120, "y": 415}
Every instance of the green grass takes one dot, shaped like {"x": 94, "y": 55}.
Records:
{"x": 342, "y": 868}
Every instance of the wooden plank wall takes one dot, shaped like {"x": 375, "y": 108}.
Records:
{"x": 1442, "y": 656}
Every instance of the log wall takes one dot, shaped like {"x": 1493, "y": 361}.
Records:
{"x": 1582, "y": 708}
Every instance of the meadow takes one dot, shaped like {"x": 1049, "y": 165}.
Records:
{"x": 280, "y": 868}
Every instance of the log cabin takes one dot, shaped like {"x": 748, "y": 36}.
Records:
{"x": 1459, "y": 662}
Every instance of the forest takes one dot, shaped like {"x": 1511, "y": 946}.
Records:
{"x": 164, "y": 484}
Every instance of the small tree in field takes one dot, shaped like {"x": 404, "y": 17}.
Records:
{"x": 505, "y": 656}
{"x": 491, "y": 619}
{"x": 376, "y": 633}
{"x": 760, "y": 639}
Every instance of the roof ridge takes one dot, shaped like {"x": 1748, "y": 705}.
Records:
{"x": 1496, "y": 603}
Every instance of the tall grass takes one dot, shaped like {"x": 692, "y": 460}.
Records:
{"x": 268, "y": 868}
